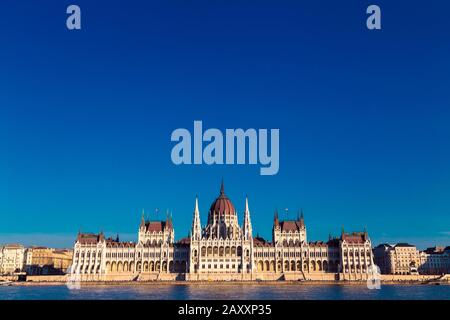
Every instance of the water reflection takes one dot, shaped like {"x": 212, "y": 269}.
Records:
{"x": 228, "y": 292}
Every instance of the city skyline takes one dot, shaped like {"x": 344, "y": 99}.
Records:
{"x": 59, "y": 240}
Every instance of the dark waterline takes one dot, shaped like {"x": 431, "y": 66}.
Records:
{"x": 227, "y": 292}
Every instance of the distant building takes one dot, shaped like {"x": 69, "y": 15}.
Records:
{"x": 221, "y": 250}
{"x": 402, "y": 258}
{"x": 47, "y": 261}
{"x": 11, "y": 258}
{"x": 435, "y": 260}
{"x": 382, "y": 258}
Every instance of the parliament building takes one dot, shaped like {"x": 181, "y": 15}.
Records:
{"x": 222, "y": 250}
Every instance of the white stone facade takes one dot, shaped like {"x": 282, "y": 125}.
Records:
{"x": 406, "y": 259}
{"x": 12, "y": 258}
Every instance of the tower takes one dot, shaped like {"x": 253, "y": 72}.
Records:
{"x": 196, "y": 233}
{"x": 247, "y": 241}
{"x": 142, "y": 225}
{"x": 247, "y": 225}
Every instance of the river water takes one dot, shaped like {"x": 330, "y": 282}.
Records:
{"x": 227, "y": 292}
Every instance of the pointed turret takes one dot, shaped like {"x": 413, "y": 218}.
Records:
{"x": 247, "y": 221}
{"x": 169, "y": 220}
{"x": 276, "y": 221}
{"x": 301, "y": 219}
{"x": 142, "y": 225}
{"x": 196, "y": 225}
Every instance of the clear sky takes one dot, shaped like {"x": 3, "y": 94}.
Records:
{"x": 86, "y": 116}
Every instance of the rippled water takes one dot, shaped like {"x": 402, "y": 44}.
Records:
{"x": 228, "y": 292}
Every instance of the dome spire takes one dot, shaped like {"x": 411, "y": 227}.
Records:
{"x": 221, "y": 207}
{"x": 222, "y": 188}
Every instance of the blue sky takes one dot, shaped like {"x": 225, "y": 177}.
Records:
{"x": 86, "y": 116}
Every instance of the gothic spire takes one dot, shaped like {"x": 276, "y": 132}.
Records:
{"x": 196, "y": 225}
{"x": 222, "y": 189}
{"x": 246, "y": 204}
{"x": 247, "y": 221}
{"x": 301, "y": 219}
{"x": 275, "y": 218}
{"x": 142, "y": 219}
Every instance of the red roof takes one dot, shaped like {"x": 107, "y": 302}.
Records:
{"x": 89, "y": 238}
{"x": 318, "y": 244}
{"x": 112, "y": 243}
{"x": 355, "y": 237}
{"x": 261, "y": 242}
{"x": 222, "y": 204}
{"x": 157, "y": 226}
{"x": 287, "y": 226}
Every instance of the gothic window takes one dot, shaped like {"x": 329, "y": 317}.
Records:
{"x": 292, "y": 265}
{"x": 260, "y": 265}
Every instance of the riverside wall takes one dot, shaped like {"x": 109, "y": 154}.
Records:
{"x": 269, "y": 277}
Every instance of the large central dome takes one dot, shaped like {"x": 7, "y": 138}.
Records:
{"x": 222, "y": 205}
